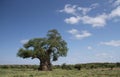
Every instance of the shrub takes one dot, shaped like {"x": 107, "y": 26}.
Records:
{"x": 67, "y": 67}
{"x": 77, "y": 66}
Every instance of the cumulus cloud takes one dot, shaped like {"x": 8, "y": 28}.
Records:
{"x": 83, "y": 34}
{"x": 84, "y": 10}
{"x": 75, "y": 9}
{"x": 79, "y": 35}
{"x": 73, "y": 31}
{"x": 80, "y": 14}
{"x": 24, "y": 41}
{"x": 115, "y": 13}
{"x": 72, "y": 20}
{"x": 115, "y": 43}
{"x": 98, "y": 21}
{"x": 69, "y": 9}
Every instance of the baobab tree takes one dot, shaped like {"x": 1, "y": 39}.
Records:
{"x": 46, "y": 49}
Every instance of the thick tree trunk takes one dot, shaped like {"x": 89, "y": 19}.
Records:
{"x": 45, "y": 66}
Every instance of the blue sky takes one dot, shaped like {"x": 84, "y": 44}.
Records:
{"x": 91, "y": 28}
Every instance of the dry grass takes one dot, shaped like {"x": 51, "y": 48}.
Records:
{"x": 60, "y": 73}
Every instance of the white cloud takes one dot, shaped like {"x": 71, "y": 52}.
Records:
{"x": 115, "y": 13}
{"x": 84, "y": 10}
{"x": 72, "y": 20}
{"x": 98, "y": 21}
{"x": 115, "y": 43}
{"x": 74, "y": 31}
{"x": 24, "y": 41}
{"x": 74, "y": 9}
{"x": 80, "y": 14}
{"x": 79, "y": 35}
{"x": 83, "y": 34}
{"x": 69, "y": 9}
{"x": 89, "y": 48}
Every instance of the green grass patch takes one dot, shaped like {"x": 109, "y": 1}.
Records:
{"x": 99, "y": 72}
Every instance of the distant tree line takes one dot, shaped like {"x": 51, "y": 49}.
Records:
{"x": 88, "y": 66}
{"x": 19, "y": 66}
{"x": 67, "y": 67}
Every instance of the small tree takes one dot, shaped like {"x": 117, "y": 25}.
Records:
{"x": 45, "y": 49}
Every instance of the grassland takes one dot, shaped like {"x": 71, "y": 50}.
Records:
{"x": 15, "y": 72}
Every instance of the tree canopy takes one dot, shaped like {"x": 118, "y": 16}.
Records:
{"x": 45, "y": 49}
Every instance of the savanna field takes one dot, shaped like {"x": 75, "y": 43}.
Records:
{"x": 46, "y": 31}
{"x": 59, "y": 71}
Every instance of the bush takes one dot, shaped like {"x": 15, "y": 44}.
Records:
{"x": 77, "y": 66}
{"x": 67, "y": 67}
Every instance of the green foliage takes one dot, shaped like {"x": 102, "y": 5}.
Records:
{"x": 77, "y": 66}
{"x": 45, "y": 49}
{"x": 56, "y": 44}
{"x": 24, "y": 53}
{"x": 53, "y": 45}
{"x": 18, "y": 66}
{"x": 67, "y": 67}
{"x": 88, "y": 66}
{"x": 117, "y": 64}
